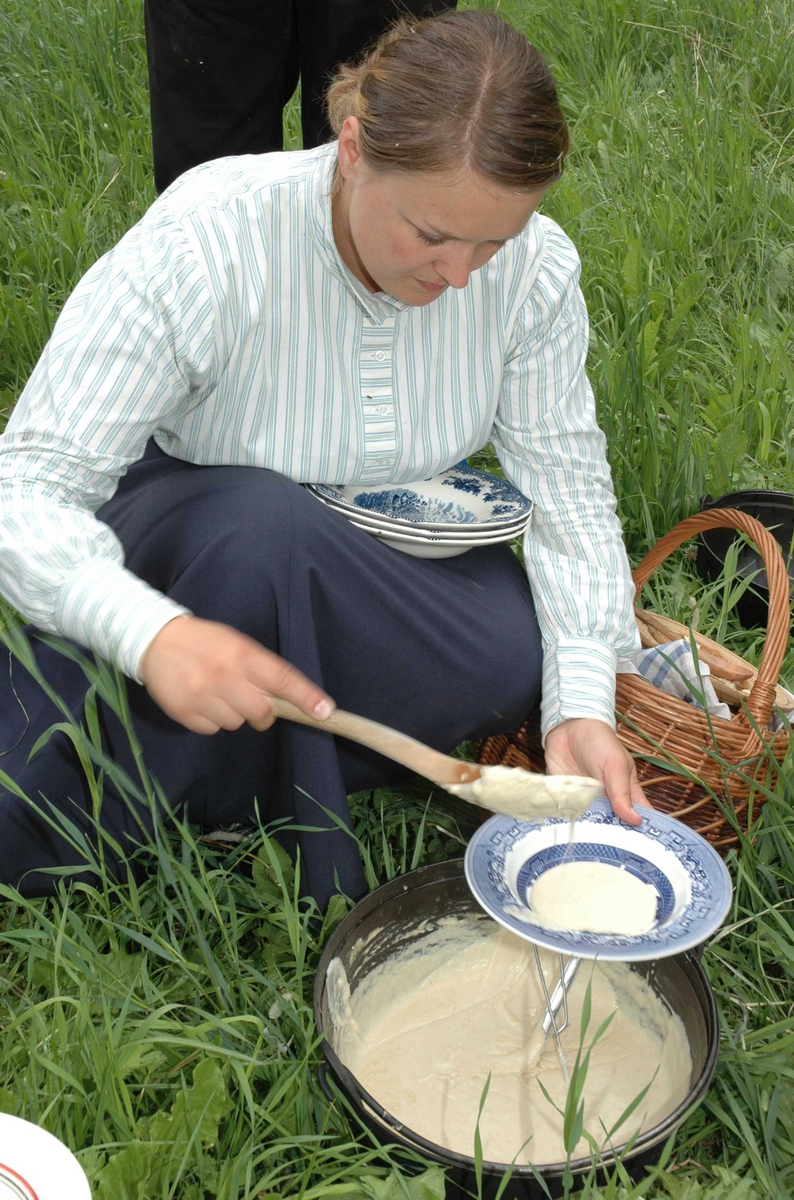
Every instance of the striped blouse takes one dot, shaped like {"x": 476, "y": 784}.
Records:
{"x": 226, "y": 325}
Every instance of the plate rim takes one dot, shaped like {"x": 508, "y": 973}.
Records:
{"x": 441, "y": 530}
{"x": 474, "y": 526}
{"x": 39, "y": 1142}
{"x": 386, "y": 534}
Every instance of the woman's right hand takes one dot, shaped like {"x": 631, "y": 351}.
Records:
{"x": 209, "y": 676}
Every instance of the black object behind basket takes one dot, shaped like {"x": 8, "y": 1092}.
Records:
{"x": 405, "y": 910}
{"x": 775, "y": 510}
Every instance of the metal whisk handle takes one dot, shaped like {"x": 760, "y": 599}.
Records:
{"x": 559, "y": 997}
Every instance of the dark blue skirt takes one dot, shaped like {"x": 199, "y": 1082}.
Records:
{"x": 442, "y": 649}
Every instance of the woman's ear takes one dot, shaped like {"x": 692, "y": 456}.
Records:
{"x": 349, "y": 151}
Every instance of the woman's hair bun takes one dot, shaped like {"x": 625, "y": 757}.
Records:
{"x": 459, "y": 89}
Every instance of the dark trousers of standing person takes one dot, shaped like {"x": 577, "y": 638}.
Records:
{"x": 443, "y": 649}
{"x": 221, "y": 71}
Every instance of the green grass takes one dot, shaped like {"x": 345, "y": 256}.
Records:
{"x": 164, "y": 1031}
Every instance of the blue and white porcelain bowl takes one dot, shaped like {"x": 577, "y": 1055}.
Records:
{"x": 462, "y": 496}
{"x": 693, "y": 888}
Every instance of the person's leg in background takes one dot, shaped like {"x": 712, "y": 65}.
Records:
{"x": 220, "y": 73}
{"x": 331, "y": 32}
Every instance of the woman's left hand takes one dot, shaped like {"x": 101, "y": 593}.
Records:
{"x": 584, "y": 746}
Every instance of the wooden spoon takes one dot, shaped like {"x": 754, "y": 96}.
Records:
{"x": 519, "y": 794}
{"x": 439, "y": 768}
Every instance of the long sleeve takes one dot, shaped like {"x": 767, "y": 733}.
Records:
{"x": 133, "y": 345}
{"x": 550, "y": 446}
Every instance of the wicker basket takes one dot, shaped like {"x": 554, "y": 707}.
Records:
{"x": 713, "y": 763}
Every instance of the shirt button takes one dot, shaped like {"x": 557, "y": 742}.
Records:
{"x": 383, "y": 408}
{"x": 380, "y": 355}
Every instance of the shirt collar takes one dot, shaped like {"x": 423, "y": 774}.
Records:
{"x": 379, "y": 306}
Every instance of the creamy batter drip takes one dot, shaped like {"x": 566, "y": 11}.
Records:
{"x": 423, "y": 1030}
{"x": 514, "y": 792}
{"x": 595, "y": 897}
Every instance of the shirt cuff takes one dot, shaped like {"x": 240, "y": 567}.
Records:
{"x": 107, "y": 608}
{"x": 578, "y": 681}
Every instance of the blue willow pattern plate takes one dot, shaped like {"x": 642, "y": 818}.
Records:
{"x": 505, "y": 857}
{"x": 462, "y": 495}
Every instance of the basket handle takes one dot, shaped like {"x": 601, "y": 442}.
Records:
{"x": 762, "y": 694}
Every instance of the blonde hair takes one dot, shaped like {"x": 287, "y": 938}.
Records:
{"x": 463, "y": 89}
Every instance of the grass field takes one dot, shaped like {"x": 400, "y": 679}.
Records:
{"x": 165, "y": 1031}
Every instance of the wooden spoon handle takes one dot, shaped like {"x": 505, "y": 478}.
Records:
{"x": 439, "y": 768}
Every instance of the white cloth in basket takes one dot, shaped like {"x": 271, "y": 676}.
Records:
{"x": 672, "y": 668}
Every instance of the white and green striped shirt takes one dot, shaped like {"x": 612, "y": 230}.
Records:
{"x": 226, "y": 325}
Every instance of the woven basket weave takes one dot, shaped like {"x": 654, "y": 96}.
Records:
{"x": 693, "y": 765}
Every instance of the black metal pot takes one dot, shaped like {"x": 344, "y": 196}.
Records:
{"x": 775, "y": 510}
{"x": 404, "y": 910}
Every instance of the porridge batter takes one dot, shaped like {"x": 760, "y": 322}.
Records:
{"x": 422, "y": 1031}
{"x": 594, "y": 896}
{"x": 514, "y": 792}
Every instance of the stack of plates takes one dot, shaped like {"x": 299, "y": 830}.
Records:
{"x": 438, "y": 518}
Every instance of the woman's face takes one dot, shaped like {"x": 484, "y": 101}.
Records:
{"x": 414, "y": 234}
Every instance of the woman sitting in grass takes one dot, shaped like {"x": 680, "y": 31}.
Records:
{"x": 370, "y": 311}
